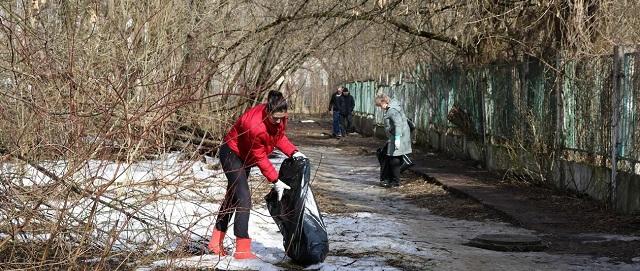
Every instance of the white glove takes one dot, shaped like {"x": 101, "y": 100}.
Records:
{"x": 298, "y": 154}
{"x": 279, "y": 186}
{"x": 396, "y": 143}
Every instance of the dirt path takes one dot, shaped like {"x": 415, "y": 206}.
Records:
{"x": 415, "y": 227}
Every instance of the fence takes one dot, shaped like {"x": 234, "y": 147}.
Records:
{"x": 576, "y": 108}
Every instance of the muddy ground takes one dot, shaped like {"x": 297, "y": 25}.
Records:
{"x": 425, "y": 194}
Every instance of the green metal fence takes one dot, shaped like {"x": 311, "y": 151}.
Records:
{"x": 629, "y": 136}
{"x": 587, "y": 105}
{"x": 518, "y": 102}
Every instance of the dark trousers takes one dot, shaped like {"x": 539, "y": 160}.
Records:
{"x": 337, "y": 128}
{"x": 238, "y": 197}
{"x": 346, "y": 120}
{"x": 390, "y": 170}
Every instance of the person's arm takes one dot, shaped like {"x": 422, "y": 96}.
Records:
{"x": 396, "y": 119}
{"x": 262, "y": 159}
{"x": 352, "y": 104}
{"x": 387, "y": 125}
{"x": 331, "y": 102}
{"x": 286, "y": 146}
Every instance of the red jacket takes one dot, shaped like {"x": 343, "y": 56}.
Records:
{"x": 253, "y": 138}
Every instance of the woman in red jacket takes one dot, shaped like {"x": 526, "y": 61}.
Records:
{"x": 249, "y": 142}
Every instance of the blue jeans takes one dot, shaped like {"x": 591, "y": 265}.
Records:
{"x": 336, "y": 124}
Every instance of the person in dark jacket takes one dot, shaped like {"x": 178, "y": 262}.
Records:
{"x": 346, "y": 113}
{"x": 399, "y": 139}
{"x": 335, "y": 107}
{"x": 249, "y": 142}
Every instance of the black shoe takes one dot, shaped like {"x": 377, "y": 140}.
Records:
{"x": 385, "y": 183}
{"x": 395, "y": 184}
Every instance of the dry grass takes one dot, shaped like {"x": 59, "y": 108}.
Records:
{"x": 443, "y": 203}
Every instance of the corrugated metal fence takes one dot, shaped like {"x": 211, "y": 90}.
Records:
{"x": 518, "y": 103}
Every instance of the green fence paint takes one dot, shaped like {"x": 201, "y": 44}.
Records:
{"x": 516, "y": 102}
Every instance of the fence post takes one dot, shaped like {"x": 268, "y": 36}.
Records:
{"x": 616, "y": 87}
{"x": 483, "y": 118}
{"x": 559, "y": 121}
{"x": 524, "y": 100}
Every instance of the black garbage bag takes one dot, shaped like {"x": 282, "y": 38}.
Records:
{"x": 406, "y": 163}
{"x": 297, "y": 214}
{"x": 381, "y": 154}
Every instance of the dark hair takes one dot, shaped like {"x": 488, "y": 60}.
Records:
{"x": 344, "y": 89}
{"x": 276, "y": 102}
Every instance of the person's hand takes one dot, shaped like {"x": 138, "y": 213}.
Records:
{"x": 298, "y": 154}
{"x": 396, "y": 143}
{"x": 279, "y": 186}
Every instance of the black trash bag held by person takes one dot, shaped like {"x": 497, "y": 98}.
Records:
{"x": 297, "y": 214}
{"x": 381, "y": 154}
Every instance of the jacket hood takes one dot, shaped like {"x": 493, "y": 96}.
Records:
{"x": 395, "y": 104}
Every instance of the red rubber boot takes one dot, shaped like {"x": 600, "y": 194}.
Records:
{"x": 243, "y": 249}
{"x": 215, "y": 245}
